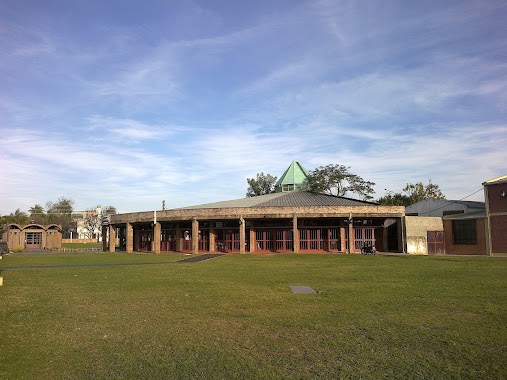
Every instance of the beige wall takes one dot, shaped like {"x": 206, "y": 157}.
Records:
{"x": 416, "y": 232}
{"x": 259, "y": 212}
{"x": 51, "y": 236}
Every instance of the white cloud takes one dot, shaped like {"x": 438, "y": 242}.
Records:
{"x": 129, "y": 130}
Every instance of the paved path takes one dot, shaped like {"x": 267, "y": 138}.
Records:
{"x": 193, "y": 259}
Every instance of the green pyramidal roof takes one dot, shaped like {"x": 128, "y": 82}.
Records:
{"x": 295, "y": 175}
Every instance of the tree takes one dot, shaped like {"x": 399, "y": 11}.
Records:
{"x": 418, "y": 192}
{"x": 262, "y": 184}
{"x": 337, "y": 180}
{"x": 92, "y": 222}
{"x": 3, "y": 225}
{"x": 413, "y": 193}
{"x": 18, "y": 217}
{"x": 394, "y": 199}
{"x": 60, "y": 212}
{"x": 37, "y": 214}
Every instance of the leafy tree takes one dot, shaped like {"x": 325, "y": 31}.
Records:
{"x": 37, "y": 214}
{"x": 262, "y": 184}
{"x": 3, "y": 225}
{"x": 60, "y": 212}
{"x": 62, "y": 206}
{"x": 337, "y": 180}
{"x": 18, "y": 217}
{"x": 394, "y": 199}
{"x": 37, "y": 209}
{"x": 418, "y": 192}
{"x": 413, "y": 193}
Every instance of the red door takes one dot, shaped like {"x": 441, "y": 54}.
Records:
{"x": 436, "y": 243}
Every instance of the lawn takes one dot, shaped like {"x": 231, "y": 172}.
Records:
{"x": 234, "y": 317}
{"x": 82, "y": 245}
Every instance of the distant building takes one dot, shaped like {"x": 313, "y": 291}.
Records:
{"x": 442, "y": 207}
{"x": 88, "y": 224}
{"x": 482, "y": 232}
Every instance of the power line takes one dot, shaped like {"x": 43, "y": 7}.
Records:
{"x": 453, "y": 202}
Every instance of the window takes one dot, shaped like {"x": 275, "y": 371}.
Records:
{"x": 464, "y": 232}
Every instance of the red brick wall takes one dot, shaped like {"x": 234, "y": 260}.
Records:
{"x": 498, "y": 223}
{"x": 496, "y": 202}
{"x": 498, "y": 233}
{"x": 465, "y": 249}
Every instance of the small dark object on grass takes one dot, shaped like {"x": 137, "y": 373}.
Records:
{"x": 368, "y": 250}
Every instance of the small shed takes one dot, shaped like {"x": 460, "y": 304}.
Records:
{"x": 33, "y": 236}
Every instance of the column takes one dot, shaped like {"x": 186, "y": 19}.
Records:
{"x": 195, "y": 235}
{"x": 156, "y": 237}
{"x": 178, "y": 238}
{"x": 343, "y": 239}
{"x": 104, "y": 238}
{"x": 401, "y": 235}
{"x": 112, "y": 238}
{"x": 295, "y": 235}
{"x": 385, "y": 236}
{"x": 242, "y": 230}
{"x": 351, "y": 235}
{"x": 130, "y": 238}
{"x": 212, "y": 238}
{"x": 253, "y": 243}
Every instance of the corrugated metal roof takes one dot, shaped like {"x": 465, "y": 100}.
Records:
{"x": 291, "y": 199}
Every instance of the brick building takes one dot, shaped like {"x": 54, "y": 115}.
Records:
{"x": 32, "y": 236}
{"x": 279, "y": 222}
{"x": 495, "y": 193}
{"x": 289, "y": 220}
{"x": 481, "y": 232}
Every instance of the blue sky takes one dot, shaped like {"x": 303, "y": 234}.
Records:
{"x": 129, "y": 103}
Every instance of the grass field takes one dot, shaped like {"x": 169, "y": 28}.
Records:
{"x": 234, "y": 317}
{"x": 81, "y": 245}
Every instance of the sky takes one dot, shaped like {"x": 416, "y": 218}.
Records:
{"x": 131, "y": 103}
